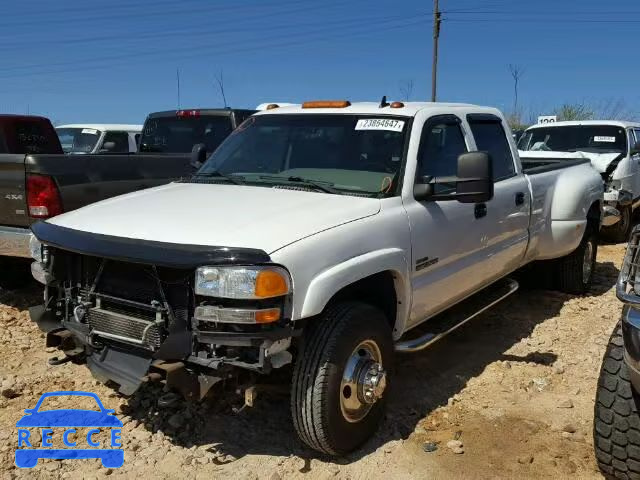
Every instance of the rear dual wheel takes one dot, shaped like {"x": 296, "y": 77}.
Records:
{"x": 341, "y": 378}
{"x": 574, "y": 272}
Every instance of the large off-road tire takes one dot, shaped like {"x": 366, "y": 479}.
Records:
{"x": 616, "y": 428}
{"x": 330, "y": 412}
{"x": 620, "y": 232}
{"x": 574, "y": 272}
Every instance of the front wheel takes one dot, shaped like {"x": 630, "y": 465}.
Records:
{"x": 616, "y": 429}
{"x": 620, "y": 232}
{"x": 341, "y": 378}
{"x": 574, "y": 273}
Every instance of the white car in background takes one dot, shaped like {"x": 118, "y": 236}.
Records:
{"x": 613, "y": 147}
{"x": 99, "y": 138}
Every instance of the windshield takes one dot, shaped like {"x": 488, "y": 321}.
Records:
{"x": 78, "y": 140}
{"x": 344, "y": 152}
{"x": 180, "y": 134}
{"x": 582, "y": 138}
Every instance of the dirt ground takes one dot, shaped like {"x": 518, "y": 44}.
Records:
{"x": 515, "y": 386}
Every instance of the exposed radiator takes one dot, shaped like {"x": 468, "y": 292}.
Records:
{"x": 125, "y": 328}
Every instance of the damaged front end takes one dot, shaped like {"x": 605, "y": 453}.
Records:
{"x": 136, "y": 311}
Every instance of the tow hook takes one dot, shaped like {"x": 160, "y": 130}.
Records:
{"x": 58, "y": 361}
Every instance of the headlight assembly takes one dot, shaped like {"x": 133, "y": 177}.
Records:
{"x": 246, "y": 283}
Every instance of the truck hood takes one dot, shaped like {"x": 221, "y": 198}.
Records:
{"x": 600, "y": 161}
{"x": 219, "y": 215}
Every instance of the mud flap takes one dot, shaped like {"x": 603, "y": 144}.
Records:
{"x": 44, "y": 318}
{"x": 126, "y": 369}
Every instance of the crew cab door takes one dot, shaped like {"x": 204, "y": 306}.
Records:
{"x": 447, "y": 237}
{"x": 508, "y": 212}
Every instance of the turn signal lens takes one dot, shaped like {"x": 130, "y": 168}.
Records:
{"x": 271, "y": 283}
{"x": 327, "y": 104}
{"x": 268, "y": 316}
{"x": 209, "y": 313}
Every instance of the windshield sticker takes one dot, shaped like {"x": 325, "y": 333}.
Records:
{"x": 90, "y": 131}
{"x": 604, "y": 139}
{"x": 388, "y": 124}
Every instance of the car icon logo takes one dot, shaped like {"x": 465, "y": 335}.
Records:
{"x": 68, "y": 420}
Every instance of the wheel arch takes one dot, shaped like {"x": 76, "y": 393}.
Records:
{"x": 379, "y": 278}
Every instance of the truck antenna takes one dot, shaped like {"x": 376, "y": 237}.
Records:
{"x": 178, "y": 81}
{"x": 383, "y": 102}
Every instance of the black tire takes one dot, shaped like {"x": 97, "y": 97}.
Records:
{"x": 620, "y": 232}
{"x": 316, "y": 388}
{"x": 571, "y": 271}
{"x": 15, "y": 272}
{"x": 616, "y": 428}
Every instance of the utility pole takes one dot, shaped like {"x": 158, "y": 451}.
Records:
{"x": 437, "y": 20}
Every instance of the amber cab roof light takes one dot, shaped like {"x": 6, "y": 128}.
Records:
{"x": 396, "y": 105}
{"x": 271, "y": 106}
{"x": 327, "y": 104}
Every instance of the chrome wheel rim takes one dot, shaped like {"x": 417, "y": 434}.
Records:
{"x": 587, "y": 262}
{"x": 363, "y": 381}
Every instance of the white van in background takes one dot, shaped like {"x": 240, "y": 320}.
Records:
{"x": 99, "y": 138}
{"x": 613, "y": 147}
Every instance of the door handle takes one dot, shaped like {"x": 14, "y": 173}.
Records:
{"x": 520, "y": 198}
{"x": 480, "y": 210}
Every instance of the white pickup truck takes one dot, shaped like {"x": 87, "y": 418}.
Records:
{"x": 324, "y": 236}
{"x": 613, "y": 147}
{"x": 99, "y": 138}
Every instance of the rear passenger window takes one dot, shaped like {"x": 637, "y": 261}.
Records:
{"x": 115, "y": 142}
{"x": 491, "y": 137}
{"x": 440, "y": 146}
{"x": 34, "y": 137}
{"x": 637, "y": 137}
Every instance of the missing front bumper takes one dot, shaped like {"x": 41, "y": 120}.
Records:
{"x": 126, "y": 367}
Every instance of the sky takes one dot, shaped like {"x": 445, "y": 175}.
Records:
{"x": 114, "y": 61}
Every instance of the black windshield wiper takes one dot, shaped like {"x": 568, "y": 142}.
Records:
{"x": 238, "y": 180}
{"x": 322, "y": 186}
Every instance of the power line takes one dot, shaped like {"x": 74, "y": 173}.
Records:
{"x": 530, "y": 20}
{"x": 191, "y": 32}
{"x": 289, "y": 40}
{"x": 538, "y": 12}
{"x": 165, "y": 52}
{"x": 143, "y": 13}
{"x": 32, "y": 9}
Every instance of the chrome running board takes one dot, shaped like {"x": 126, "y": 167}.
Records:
{"x": 445, "y": 323}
